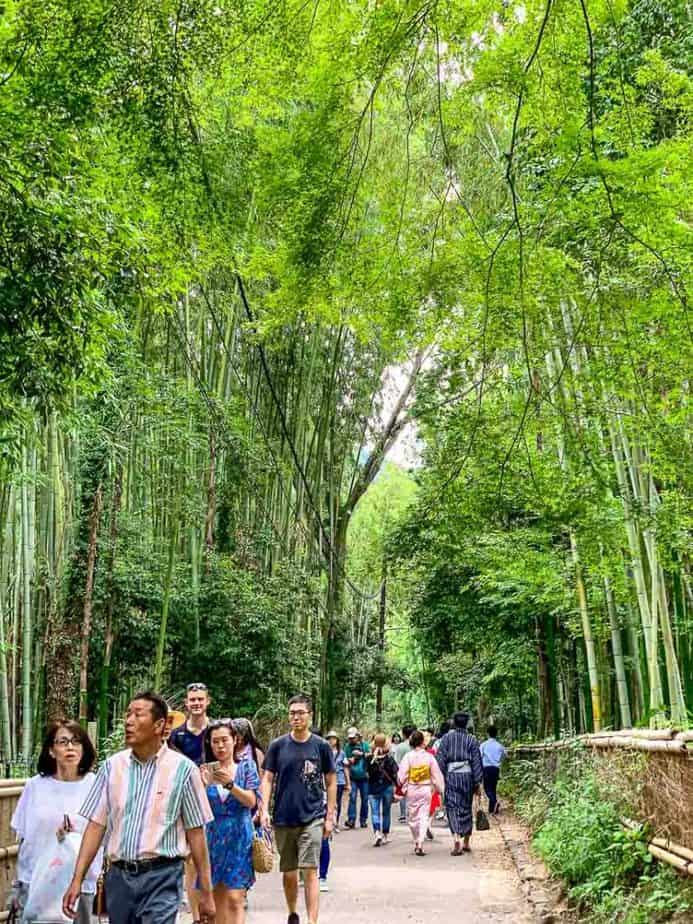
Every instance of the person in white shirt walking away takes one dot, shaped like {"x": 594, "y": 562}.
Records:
{"x": 492, "y": 755}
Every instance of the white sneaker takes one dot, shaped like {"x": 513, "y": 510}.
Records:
{"x": 386, "y": 839}
{"x": 378, "y": 839}
{"x": 324, "y": 886}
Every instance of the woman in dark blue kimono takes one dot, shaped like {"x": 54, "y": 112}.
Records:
{"x": 232, "y": 789}
{"x": 459, "y": 757}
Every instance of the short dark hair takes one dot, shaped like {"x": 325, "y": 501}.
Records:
{"x": 461, "y": 720}
{"x": 416, "y": 739}
{"x": 407, "y": 730}
{"x": 492, "y": 731}
{"x": 444, "y": 728}
{"x": 158, "y": 703}
{"x": 47, "y": 765}
{"x": 302, "y": 698}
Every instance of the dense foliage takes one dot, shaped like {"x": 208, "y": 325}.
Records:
{"x": 577, "y": 830}
{"x": 239, "y": 242}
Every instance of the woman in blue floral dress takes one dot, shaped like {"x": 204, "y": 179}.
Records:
{"x": 232, "y": 789}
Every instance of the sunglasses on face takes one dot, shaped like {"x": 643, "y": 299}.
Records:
{"x": 193, "y": 687}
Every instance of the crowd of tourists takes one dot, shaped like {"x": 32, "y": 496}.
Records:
{"x": 190, "y": 804}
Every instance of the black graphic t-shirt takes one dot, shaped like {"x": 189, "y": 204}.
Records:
{"x": 299, "y": 768}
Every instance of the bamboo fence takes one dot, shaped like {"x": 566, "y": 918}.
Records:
{"x": 10, "y": 791}
{"x": 663, "y": 794}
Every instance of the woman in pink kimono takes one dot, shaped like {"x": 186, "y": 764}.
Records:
{"x": 420, "y": 775}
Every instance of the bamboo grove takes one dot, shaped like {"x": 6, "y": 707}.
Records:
{"x": 243, "y": 247}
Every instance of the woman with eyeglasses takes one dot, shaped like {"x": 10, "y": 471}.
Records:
{"x": 232, "y": 790}
{"x": 55, "y": 795}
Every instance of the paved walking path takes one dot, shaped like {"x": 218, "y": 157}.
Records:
{"x": 371, "y": 885}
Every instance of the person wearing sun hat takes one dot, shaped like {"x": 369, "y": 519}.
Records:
{"x": 343, "y": 777}
{"x": 355, "y": 750}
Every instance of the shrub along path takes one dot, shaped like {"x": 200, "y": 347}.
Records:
{"x": 369, "y": 884}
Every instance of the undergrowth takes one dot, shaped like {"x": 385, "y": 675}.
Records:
{"x": 609, "y": 873}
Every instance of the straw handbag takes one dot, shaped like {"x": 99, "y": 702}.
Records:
{"x": 263, "y": 852}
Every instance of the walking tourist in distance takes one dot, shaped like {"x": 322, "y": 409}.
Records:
{"x": 459, "y": 758}
{"x": 382, "y": 777}
{"x": 325, "y": 849}
{"x": 299, "y": 767}
{"x": 403, "y": 748}
{"x": 247, "y": 745}
{"x": 57, "y": 793}
{"x": 151, "y": 803}
{"x": 190, "y": 738}
{"x": 343, "y": 778}
{"x": 421, "y": 776}
{"x": 232, "y": 790}
{"x": 355, "y": 750}
{"x": 492, "y": 755}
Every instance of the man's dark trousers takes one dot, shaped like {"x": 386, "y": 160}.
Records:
{"x": 150, "y": 897}
{"x": 490, "y": 784}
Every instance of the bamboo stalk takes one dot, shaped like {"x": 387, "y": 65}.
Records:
{"x": 161, "y": 644}
{"x": 617, "y": 650}
{"x": 27, "y": 614}
{"x": 94, "y": 522}
{"x": 5, "y": 568}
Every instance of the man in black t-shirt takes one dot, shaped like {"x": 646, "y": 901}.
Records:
{"x": 301, "y": 768}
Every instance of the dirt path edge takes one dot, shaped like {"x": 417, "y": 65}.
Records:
{"x": 543, "y": 893}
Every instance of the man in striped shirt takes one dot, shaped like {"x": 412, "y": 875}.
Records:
{"x": 151, "y": 804}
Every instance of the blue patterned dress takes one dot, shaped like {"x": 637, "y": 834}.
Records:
{"x": 230, "y": 835}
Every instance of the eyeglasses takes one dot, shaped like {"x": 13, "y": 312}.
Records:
{"x": 65, "y": 742}
{"x": 196, "y": 686}
{"x": 297, "y": 713}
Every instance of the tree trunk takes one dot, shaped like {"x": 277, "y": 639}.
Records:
{"x": 382, "y": 612}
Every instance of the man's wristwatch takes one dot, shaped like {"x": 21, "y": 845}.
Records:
{"x": 230, "y": 785}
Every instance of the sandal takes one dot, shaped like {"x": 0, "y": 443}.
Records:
{"x": 466, "y": 850}
{"x": 419, "y": 851}
{"x": 456, "y": 851}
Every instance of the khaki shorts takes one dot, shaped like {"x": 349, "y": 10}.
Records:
{"x": 299, "y": 847}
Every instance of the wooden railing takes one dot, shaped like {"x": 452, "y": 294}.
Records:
{"x": 10, "y": 791}
{"x": 635, "y": 739}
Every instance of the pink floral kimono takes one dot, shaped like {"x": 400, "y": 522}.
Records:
{"x": 420, "y": 774}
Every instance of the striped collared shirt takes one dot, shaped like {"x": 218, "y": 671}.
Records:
{"x": 146, "y": 808}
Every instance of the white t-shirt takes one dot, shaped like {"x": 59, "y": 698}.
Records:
{"x": 39, "y": 814}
